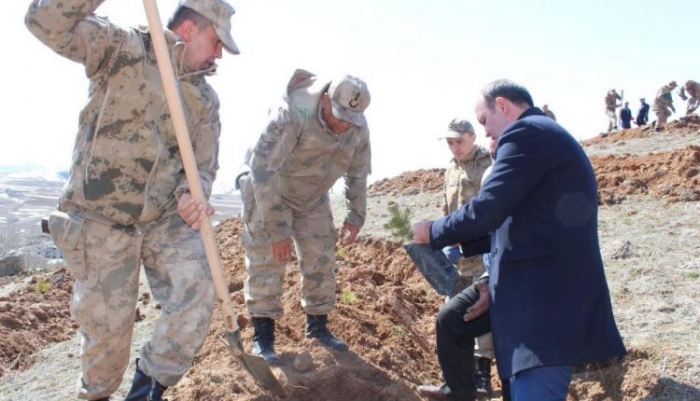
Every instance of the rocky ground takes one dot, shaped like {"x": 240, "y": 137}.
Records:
{"x": 649, "y": 237}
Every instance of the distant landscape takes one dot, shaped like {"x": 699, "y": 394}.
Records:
{"x": 30, "y": 193}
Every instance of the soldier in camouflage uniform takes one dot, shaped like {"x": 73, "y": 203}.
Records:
{"x": 692, "y": 88}
{"x": 127, "y": 201}
{"x": 462, "y": 182}
{"x": 663, "y": 103}
{"x": 317, "y": 135}
{"x": 611, "y": 106}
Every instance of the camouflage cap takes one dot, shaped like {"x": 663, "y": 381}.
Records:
{"x": 349, "y": 99}
{"x": 673, "y": 83}
{"x": 219, "y": 13}
{"x": 458, "y": 127}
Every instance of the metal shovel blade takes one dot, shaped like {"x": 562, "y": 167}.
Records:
{"x": 253, "y": 364}
{"x": 436, "y": 268}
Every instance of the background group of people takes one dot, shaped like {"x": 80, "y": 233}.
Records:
{"x": 662, "y": 106}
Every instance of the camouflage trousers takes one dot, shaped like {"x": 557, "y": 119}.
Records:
{"x": 105, "y": 262}
{"x": 612, "y": 120}
{"x": 314, "y": 238}
{"x": 470, "y": 268}
{"x": 662, "y": 113}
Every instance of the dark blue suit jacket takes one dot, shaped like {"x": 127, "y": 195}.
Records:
{"x": 550, "y": 303}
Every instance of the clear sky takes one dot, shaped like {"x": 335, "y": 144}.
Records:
{"x": 424, "y": 63}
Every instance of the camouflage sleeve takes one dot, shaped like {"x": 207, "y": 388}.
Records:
{"x": 356, "y": 184}
{"x": 205, "y": 144}
{"x": 274, "y": 146}
{"x": 71, "y": 30}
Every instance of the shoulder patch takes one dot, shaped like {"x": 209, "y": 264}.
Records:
{"x": 264, "y": 146}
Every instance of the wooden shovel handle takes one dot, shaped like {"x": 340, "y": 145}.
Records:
{"x": 184, "y": 143}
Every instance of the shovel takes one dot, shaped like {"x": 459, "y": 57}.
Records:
{"x": 436, "y": 268}
{"x": 255, "y": 365}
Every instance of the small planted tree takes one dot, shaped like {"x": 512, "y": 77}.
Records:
{"x": 400, "y": 222}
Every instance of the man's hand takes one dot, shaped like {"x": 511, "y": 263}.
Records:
{"x": 421, "y": 232}
{"x": 482, "y": 305}
{"x": 192, "y": 211}
{"x": 348, "y": 234}
{"x": 282, "y": 250}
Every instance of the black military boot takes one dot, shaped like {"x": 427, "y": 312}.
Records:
{"x": 145, "y": 388}
{"x": 316, "y": 328}
{"x": 483, "y": 377}
{"x": 264, "y": 340}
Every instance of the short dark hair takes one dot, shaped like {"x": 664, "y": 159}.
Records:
{"x": 183, "y": 14}
{"x": 508, "y": 89}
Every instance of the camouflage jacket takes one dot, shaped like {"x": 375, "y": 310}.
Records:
{"x": 663, "y": 97}
{"x": 693, "y": 92}
{"x": 126, "y": 162}
{"x": 611, "y": 101}
{"x": 297, "y": 159}
{"x": 463, "y": 178}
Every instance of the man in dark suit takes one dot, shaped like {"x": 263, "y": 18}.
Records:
{"x": 548, "y": 299}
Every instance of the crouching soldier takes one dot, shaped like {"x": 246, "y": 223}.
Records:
{"x": 317, "y": 135}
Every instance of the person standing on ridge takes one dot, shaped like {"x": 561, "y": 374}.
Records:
{"x": 547, "y": 112}
{"x": 643, "y": 113}
{"x": 626, "y": 116}
{"x": 611, "y": 106}
{"x": 663, "y": 103}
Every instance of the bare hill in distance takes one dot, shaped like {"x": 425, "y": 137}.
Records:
{"x": 386, "y": 310}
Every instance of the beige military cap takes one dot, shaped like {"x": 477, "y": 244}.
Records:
{"x": 349, "y": 99}
{"x": 458, "y": 127}
{"x": 219, "y": 13}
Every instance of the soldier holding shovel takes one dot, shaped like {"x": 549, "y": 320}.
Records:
{"x": 127, "y": 201}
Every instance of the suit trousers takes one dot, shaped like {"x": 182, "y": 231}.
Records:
{"x": 455, "y": 343}
{"x": 546, "y": 383}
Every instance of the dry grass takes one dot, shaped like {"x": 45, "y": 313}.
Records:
{"x": 652, "y": 264}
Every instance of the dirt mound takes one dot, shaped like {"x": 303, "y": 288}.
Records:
{"x": 385, "y": 312}
{"x": 672, "y": 176}
{"x": 34, "y": 317}
{"x": 682, "y": 126}
{"x": 411, "y": 183}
